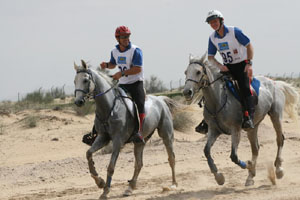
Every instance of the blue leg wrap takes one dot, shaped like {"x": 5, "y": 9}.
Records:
{"x": 242, "y": 164}
{"x": 108, "y": 181}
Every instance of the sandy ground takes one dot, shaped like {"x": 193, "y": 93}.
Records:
{"x": 48, "y": 162}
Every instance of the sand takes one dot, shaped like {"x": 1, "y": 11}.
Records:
{"x": 48, "y": 162}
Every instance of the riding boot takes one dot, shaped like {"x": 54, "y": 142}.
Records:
{"x": 248, "y": 114}
{"x": 139, "y": 137}
{"x": 90, "y": 137}
{"x": 202, "y": 127}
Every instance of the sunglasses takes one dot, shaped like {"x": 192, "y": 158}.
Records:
{"x": 124, "y": 36}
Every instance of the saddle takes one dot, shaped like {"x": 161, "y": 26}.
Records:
{"x": 234, "y": 89}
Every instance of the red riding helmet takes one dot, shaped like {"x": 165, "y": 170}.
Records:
{"x": 122, "y": 30}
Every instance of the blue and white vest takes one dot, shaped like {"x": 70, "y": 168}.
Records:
{"x": 230, "y": 49}
{"x": 124, "y": 62}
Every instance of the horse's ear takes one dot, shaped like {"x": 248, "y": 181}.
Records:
{"x": 83, "y": 64}
{"x": 191, "y": 57}
{"x": 76, "y": 67}
{"x": 202, "y": 59}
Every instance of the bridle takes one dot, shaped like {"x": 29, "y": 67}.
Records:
{"x": 91, "y": 94}
{"x": 207, "y": 83}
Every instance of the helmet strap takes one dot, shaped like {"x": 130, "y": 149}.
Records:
{"x": 221, "y": 23}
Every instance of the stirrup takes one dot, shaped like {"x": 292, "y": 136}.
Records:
{"x": 89, "y": 138}
{"x": 202, "y": 127}
{"x": 247, "y": 123}
{"x": 138, "y": 138}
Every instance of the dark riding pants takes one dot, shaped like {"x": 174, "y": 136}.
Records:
{"x": 238, "y": 74}
{"x": 137, "y": 92}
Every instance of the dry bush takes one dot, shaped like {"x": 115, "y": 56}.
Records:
{"x": 88, "y": 108}
{"x": 182, "y": 121}
{"x": 2, "y": 131}
{"x": 31, "y": 121}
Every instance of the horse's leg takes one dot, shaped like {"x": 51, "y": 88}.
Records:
{"x": 111, "y": 168}
{"x": 168, "y": 141}
{"x": 251, "y": 165}
{"x": 212, "y": 137}
{"x": 280, "y": 141}
{"x": 235, "y": 140}
{"x": 100, "y": 142}
{"x": 138, "y": 154}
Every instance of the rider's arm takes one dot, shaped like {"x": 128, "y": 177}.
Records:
{"x": 244, "y": 40}
{"x": 137, "y": 63}
{"x": 133, "y": 70}
{"x": 249, "y": 51}
{"x": 212, "y": 50}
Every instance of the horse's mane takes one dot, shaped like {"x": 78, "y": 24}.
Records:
{"x": 105, "y": 76}
{"x": 210, "y": 67}
{"x": 98, "y": 72}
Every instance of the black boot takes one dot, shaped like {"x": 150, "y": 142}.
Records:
{"x": 138, "y": 138}
{"x": 249, "y": 114}
{"x": 202, "y": 127}
{"x": 90, "y": 137}
{"x": 247, "y": 122}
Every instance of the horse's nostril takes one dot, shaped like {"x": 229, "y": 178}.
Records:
{"x": 79, "y": 102}
{"x": 187, "y": 92}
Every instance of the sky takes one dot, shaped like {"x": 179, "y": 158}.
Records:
{"x": 40, "y": 40}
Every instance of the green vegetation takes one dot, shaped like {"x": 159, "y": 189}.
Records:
{"x": 31, "y": 121}
{"x": 1, "y": 129}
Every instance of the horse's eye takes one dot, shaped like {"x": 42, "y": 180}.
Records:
{"x": 85, "y": 81}
{"x": 198, "y": 72}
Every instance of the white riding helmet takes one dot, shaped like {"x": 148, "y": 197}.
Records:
{"x": 213, "y": 14}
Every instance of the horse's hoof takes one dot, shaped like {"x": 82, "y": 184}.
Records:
{"x": 279, "y": 172}
{"x": 249, "y": 182}
{"x": 173, "y": 187}
{"x": 99, "y": 181}
{"x": 103, "y": 196}
{"x": 220, "y": 178}
{"x": 128, "y": 192}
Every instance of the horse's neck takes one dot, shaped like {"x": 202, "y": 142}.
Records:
{"x": 213, "y": 93}
{"x": 104, "y": 103}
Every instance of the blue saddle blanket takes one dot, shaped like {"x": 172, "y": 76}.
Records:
{"x": 255, "y": 84}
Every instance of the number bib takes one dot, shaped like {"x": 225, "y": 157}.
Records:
{"x": 124, "y": 62}
{"x": 230, "y": 49}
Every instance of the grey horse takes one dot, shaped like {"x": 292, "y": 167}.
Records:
{"x": 116, "y": 122}
{"x": 223, "y": 113}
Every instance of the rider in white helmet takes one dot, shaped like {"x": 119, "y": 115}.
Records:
{"x": 215, "y": 14}
{"x": 237, "y": 53}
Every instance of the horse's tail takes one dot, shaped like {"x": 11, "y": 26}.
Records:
{"x": 173, "y": 105}
{"x": 291, "y": 99}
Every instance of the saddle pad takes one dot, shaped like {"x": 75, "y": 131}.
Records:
{"x": 255, "y": 85}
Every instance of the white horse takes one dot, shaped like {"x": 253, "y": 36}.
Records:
{"x": 115, "y": 121}
{"x": 223, "y": 113}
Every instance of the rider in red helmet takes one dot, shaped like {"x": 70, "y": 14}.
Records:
{"x": 129, "y": 59}
{"x": 122, "y": 30}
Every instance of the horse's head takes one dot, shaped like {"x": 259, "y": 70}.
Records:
{"x": 84, "y": 84}
{"x": 196, "y": 77}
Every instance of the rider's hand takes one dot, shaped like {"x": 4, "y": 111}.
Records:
{"x": 103, "y": 65}
{"x": 117, "y": 76}
{"x": 223, "y": 68}
{"x": 249, "y": 71}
